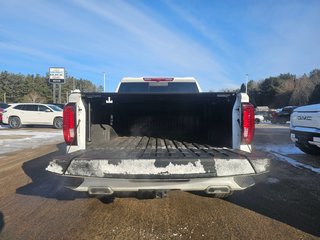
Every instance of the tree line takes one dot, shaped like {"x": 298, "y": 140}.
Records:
{"x": 35, "y": 88}
{"x": 275, "y": 92}
{"x": 286, "y": 89}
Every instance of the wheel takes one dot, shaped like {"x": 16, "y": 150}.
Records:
{"x": 14, "y": 122}
{"x": 57, "y": 123}
{"x": 257, "y": 121}
{"x": 308, "y": 148}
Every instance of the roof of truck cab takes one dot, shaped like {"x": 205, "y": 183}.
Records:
{"x": 142, "y": 79}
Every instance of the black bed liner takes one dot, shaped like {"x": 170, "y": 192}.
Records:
{"x": 149, "y": 147}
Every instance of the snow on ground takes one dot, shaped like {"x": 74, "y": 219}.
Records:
{"x": 14, "y": 140}
{"x": 272, "y": 180}
{"x": 296, "y": 163}
{"x": 280, "y": 148}
{"x": 281, "y": 151}
{"x": 271, "y": 125}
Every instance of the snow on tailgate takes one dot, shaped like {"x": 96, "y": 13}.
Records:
{"x": 104, "y": 167}
{"x": 131, "y": 166}
{"x": 232, "y": 167}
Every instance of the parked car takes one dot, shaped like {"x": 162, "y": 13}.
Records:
{"x": 2, "y": 107}
{"x": 258, "y": 117}
{"x": 32, "y": 113}
{"x": 1, "y": 111}
{"x": 283, "y": 115}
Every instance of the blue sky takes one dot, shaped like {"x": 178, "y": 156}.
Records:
{"x": 217, "y": 42}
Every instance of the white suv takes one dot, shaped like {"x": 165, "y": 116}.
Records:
{"x": 32, "y": 113}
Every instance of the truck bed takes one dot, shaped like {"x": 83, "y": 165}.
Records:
{"x": 149, "y": 147}
{"x": 204, "y": 118}
{"x": 148, "y": 157}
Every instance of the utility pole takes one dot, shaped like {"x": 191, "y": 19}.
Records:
{"x": 54, "y": 92}
{"x": 59, "y": 93}
{"x": 4, "y": 97}
{"x": 247, "y": 79}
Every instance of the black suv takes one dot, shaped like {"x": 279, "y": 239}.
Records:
{"x": 283, "y": 116}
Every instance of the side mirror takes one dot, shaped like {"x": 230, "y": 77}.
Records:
{"x": 48, "y": 110}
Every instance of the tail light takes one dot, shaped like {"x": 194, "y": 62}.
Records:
{"x": 69, "y": 124}
{"x": 247, "y": 123}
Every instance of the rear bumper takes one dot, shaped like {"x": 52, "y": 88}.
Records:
{"x": 108, "y": 186}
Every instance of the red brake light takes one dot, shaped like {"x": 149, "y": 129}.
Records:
{"x": 158, "y": 79}
{"x": 247, "y": 123}
{"x": 69, "y": 124}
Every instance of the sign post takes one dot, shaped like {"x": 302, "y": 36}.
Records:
{"x": 56, "y": 77}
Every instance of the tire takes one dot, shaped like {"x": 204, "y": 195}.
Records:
{"x": 308, "y": 148}
{"x": 257, "y": 121}
{"x": 57, "y": 123}
{"x": 14, "y": 122}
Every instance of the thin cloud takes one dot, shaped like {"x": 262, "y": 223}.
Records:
{"x": 159, "y": 41}
{"x": 214, "y": 42}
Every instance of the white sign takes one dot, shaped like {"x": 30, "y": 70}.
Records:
{"x": 56, "y": 75}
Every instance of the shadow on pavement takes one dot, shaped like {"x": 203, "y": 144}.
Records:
{"x": 286, "y": 194}
{"x": 1, "y": 221}
{"x": 44, "y": 183}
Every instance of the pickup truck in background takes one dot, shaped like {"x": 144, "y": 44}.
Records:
{"x": 282, "y": 116}
{"x": 159, "y": 134}
{"x": 305, "y": 128}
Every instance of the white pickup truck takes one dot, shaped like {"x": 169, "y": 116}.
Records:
{"x": 305, "y": 128}
{"x": 159, "y": 134}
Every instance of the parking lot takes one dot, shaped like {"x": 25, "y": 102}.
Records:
{"x": 284, "y": 204}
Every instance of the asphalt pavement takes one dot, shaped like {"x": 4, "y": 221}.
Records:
{"x": 284, "y": 204}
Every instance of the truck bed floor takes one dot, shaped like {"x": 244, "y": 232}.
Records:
{"x": 149, "y": 147}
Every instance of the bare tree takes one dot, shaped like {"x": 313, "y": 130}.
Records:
{"x": 302, "y": 91}
{"x": 34, "y": 97}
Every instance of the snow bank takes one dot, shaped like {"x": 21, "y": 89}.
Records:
{"x": 14, "y": 140}
{"x": 280, "y": 152}
{"x": 283, "y": 149}
{"x": 295, "y": 163}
